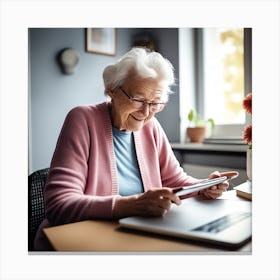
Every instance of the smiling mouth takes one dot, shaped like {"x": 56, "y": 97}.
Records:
{"x": 139, "y": 120}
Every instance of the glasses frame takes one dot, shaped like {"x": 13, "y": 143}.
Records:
{"x": 144, "y": 103}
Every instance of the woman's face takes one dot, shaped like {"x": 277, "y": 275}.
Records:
{"x": 124, "y": 115}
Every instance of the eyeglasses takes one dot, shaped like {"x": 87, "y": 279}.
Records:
{"x": 138, "y": 104}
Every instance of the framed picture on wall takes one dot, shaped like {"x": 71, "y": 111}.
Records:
{"x": 101, "y": 41}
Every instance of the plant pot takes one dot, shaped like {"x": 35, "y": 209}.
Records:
{"x": 196, "y": 134}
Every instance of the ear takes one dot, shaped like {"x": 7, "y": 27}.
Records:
{"x": 111, "y": 93}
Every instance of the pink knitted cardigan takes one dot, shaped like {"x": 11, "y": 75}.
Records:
{"x": 83, "y": 183}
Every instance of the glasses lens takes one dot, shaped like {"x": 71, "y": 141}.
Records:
{"x": 156, "y": 107}
{"x": 137, "y": 104}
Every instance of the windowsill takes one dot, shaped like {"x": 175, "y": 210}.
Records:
{"x": 210, "y": 147}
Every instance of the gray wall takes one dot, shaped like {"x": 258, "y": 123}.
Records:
{"x": 52, "y": 94}
{"x": 170, "y": 116}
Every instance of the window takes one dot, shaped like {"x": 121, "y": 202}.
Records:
{"x": 215, "y": 75}
{"x": 223, "y": 67}
{"x": 226, "y": 72}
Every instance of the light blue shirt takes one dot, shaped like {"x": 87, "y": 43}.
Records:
{"x": 129, "y": 177}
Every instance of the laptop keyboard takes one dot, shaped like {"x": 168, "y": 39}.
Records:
{"x": 223, "y": 222}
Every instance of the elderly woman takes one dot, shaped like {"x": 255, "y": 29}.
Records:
{"x": 113, "y": 159}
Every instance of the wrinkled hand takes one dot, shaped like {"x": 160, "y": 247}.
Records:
{"x": 152, "y": 203}
{"x": 217, "y": 190}
{"x": 155, "y": 202}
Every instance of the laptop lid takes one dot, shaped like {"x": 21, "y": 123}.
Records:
{"x": 224, "y": 222}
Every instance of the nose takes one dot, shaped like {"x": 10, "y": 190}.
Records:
{"x": 145, "y": 109}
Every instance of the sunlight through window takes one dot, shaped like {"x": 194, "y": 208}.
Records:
{"x": 223, "y": 51}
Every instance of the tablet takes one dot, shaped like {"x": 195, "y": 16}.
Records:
{"x": 199, "y": 186}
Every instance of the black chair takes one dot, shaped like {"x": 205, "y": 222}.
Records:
{"x": 36, "y": 210}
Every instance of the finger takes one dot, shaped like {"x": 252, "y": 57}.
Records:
{"x": 213, "y": 194}
{"x": 220, "y": 186}
{"x": 230, "y": 174}
{"x": 165, "y": 203}
{"x": 214, "y": 174}
{"x": 154, "y": 212}
{"x": 160, "y": 208}
{"x": 214, "y": 191}
{"x": 168, "y": 193}
{"x": 223, "y": 186}
{"x": 159, "y": 212}
{"x": 218, "y": 192}
{"x": 176, "y": 200}
{"x": 207, "y": 194}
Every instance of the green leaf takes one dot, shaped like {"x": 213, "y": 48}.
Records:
{"x": 191, "y": 115}
{"x": 196, "y": 120}
{"x": 212, "y": 123}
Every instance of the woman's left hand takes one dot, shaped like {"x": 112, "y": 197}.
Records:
{"x": 217, "y": 190}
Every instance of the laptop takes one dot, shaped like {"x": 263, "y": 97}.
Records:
{"x": 221, "y": 222}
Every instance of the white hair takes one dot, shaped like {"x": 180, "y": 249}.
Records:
{"x": 145, "y": 64}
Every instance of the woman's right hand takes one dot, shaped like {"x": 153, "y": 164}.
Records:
{"x": 154, "y": 202}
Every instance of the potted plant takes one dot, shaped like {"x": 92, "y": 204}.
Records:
{"x": 196, "y": 131}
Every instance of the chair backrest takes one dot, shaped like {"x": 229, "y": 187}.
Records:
{"x": 36, "y": 208}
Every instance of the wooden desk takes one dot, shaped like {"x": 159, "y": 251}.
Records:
{"x": 107, "y": 236}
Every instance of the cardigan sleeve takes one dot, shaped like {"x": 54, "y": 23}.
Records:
{"x": 65, "y": 196}
{"x": 172, "y": 174}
